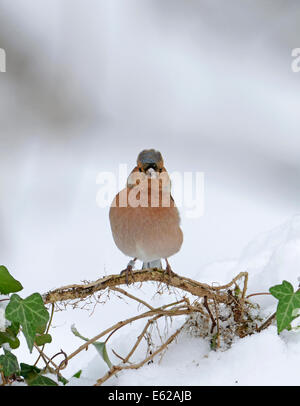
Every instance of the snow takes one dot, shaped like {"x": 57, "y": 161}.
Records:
{"x": 2, "y": 319}
{"x": 191, "y": 80}
{"x": 4, "y": 323}
{"x": 261, "y": 359}
{"x": 264, "y": 358}
{"x": 251, "y": 361}
{"x": 269, "y": 259}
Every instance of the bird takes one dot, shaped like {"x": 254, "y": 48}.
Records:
{"x": 144, "y": 219}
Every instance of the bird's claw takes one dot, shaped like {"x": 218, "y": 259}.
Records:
{"x": 169, "y": 271}
{"x": 127, "y": 271}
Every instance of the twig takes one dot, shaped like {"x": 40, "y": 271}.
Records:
{"x": 117, "y": 368}
{"x": 117, "y": 355}
{"x": 267, "y": 323}
{"x": 218, "y": 324}
{"x": 46, "y": 359}
{"x": 174, "y": 312}
{"x": 133, "y": 297}
{"x": 224, "y": 287}
{"x": 47, "y": 331}
{"x": 213, "y": 321}
{"x": 112, "y": 333}
{"x": 140, "y": 337}
{"x": 64, "y": 362}
{"x": 257, "y": 294}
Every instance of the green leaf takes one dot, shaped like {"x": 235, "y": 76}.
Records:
{"x": 41, "y": 380}
{"x": 41, "y": 329}
{"x": 77, "y": 334}
{"x": 8, "y": 284}
{"x": 33, "y": 376}
{"x": 29, "y": 371}
{"x": 11, "y": 339}
{"x": 14, "y": 328}
{"x": 30, "y": 313}
{"x": 43, "y": 339}
{"x": 10, "y": 336}
{"x": 213, "y": 342}
{"x": 289, "y": 302}
{"x": 78, "y": 374}
{"x": 100, "y": 346}
{"x": 237, "y": 291}
{"x": 63, "y": 380}
{"x": 9, "y": 364}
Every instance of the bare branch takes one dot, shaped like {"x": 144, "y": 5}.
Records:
{"x": 117, "y": 368}
{"x": 72, "y": 292}
{"x": 133, "y": 297}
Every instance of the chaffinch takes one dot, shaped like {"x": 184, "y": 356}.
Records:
{"x": 143, "y": 217}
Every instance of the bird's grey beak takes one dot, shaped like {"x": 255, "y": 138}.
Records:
{"x": 151, "y": 173}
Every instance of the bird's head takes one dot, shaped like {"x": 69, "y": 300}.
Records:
{"x": 150, "y": 162}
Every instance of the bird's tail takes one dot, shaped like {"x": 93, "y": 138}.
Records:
{"x": 153, "y": 264}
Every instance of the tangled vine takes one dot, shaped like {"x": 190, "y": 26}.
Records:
{"x": 218, "y": 312}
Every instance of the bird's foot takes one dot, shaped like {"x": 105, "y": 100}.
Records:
{"x": 128, "y": 270}
{"x": 168, "y": 269}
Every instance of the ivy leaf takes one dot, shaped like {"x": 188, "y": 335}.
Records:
{"x": 78, "y": 374}
{"x": 11, "y": 339}
{"x": 289, "y": 302}
{"x": 43, "y": 339}
{"x": 14, "y": 328}
{"x": 8, "y": 284}
{"x": 100, "y": 346}
{"x": 8, "y": 363}
{"x": 63, "y": 380}
{"x": 41, "y": 329}
{"x": 41, "y": 380}
{"x": 33, "y": 376}
{"x": 30, "y": 313}
{"x": 10, "y": 336}
{"x": 29, "y": 371}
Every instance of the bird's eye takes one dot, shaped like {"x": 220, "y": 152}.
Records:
{"x": 160, "y": 170}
